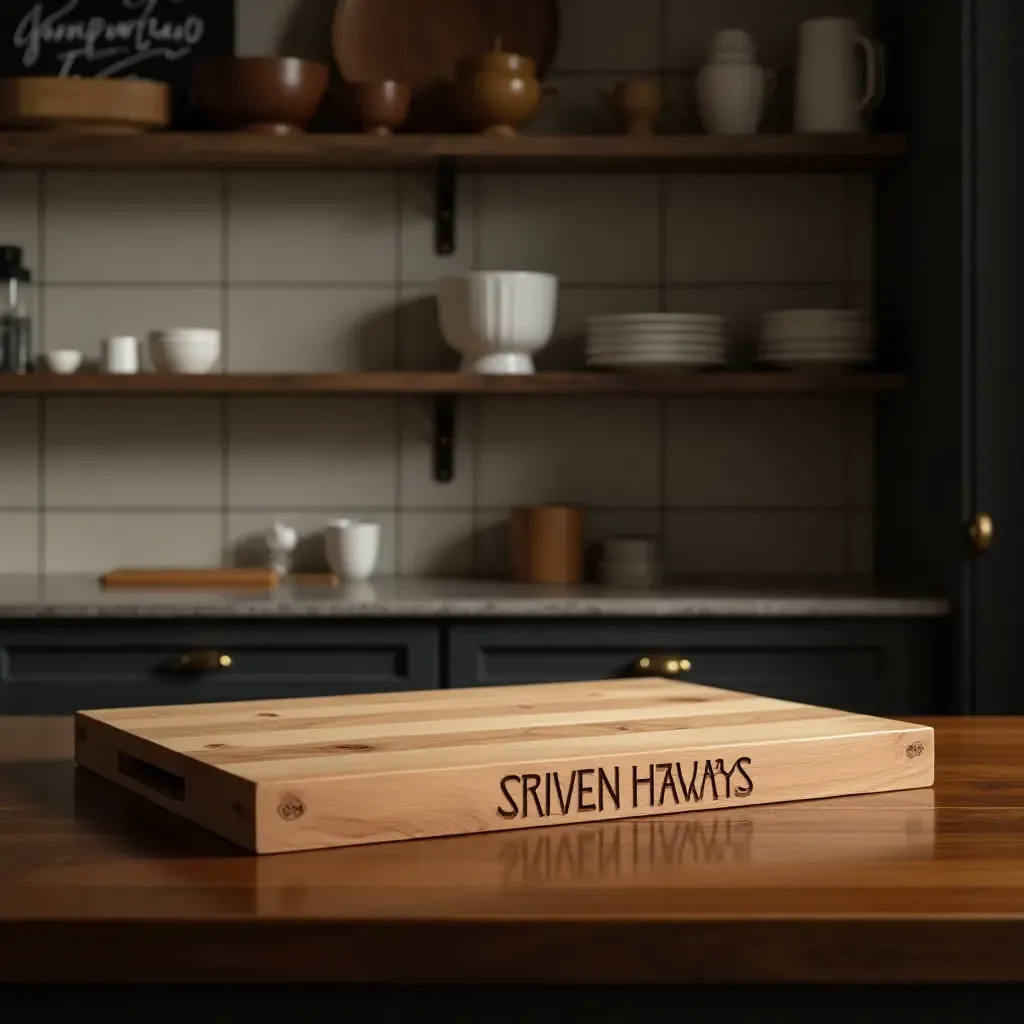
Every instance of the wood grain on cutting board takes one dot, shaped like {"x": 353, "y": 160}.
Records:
{"x": 339, "y": 771}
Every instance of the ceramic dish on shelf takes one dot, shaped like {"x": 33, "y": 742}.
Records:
{"x": 498, "y": 320}
{"x": 95, "y": 106}
{"x": 656, "y": 341}
{"x": 267, "y": 95}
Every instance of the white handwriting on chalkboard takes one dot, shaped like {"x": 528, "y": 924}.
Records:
{"x": 148, "y": 31}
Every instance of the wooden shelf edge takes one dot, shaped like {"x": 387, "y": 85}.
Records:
{"x": 712, "y": 382}
{"x": 227, "y": 151}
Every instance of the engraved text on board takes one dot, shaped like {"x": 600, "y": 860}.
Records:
{"x": 638, "y": 787}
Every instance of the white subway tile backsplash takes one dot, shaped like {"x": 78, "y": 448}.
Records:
{"x": 436, "y": 544}
{"x": 311, "y": 330}
{"x": 98, "y": 542}
{"x": 312, "y": 453}
{"x": 593, "y": 229}
{"x": 756, "y": 229}
{"x": 285, "y": 27}
{"x": 755, "y": 542}
{"x": 144, "y": 453}
{"x": 133, "y": 228}
{"x": 334, "y": 273}
{"x": 19, "y": 542}
{"x": 421, "y": 346}
{"x": 580, "y": 107}
{"x": 246, "y": 530}
{"x": 417, "y": 487}
{"x": 312, "y": 228}
{"x": 19, "y": 453}
{"x": 568, "y": 451}
{"x": 420, "y": 263}
{"x": 80, "y": 317}
{"x": 756, "y": 453}
{"x": 606, "y": 35}
{"x": 19, "y": 215}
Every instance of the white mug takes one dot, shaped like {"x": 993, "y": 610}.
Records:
{"x": 121, "y": 355}
{"x": 828, "y": 93}
{"x": 352, "y": 548}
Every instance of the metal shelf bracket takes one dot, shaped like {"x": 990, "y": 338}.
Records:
{"x": 444, "y": 439}
{"x": 444, "y": 216}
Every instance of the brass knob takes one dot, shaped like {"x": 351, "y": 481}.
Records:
{"x": 982, "y": 532}
{"x": 661, "y": 666}
{"x": 202, "y": 661}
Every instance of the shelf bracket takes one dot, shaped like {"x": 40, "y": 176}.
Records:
{"x": 444, "y": 215}
{"x": 444, "y": 439}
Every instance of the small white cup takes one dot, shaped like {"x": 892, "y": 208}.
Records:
{"x": 64, "y": 361}
{"x": 121, "y": 354}
{"x": 352, "y": 548}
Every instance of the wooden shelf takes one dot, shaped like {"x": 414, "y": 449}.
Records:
{"x": 317, "y": 152}
{"x": 712, "y": 382}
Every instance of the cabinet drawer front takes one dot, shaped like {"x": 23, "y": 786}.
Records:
{"x": 856, "y": 666}
{"x": 61, "y": 671}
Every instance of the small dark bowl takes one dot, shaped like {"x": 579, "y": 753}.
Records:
{"x": 380, "y": 107}
{"x": 273, "y": 95}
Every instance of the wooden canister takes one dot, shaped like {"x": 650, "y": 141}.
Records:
{"x": 547, "y": 544}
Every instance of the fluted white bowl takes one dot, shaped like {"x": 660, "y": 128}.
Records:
{"x": 498, "y": 320}
{"x": 191, "y": 350}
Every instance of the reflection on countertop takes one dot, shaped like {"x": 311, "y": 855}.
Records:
{"x": 84, "y": 597}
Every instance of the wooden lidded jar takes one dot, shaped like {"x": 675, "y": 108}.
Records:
{"x": 546, "y": 544}
{"x": 499, "y": 92}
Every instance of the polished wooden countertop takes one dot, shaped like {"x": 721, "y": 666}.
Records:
{"x": 922, "y": 886}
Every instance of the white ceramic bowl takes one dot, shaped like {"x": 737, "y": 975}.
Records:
{"x": 64, "y": 361}
{"x": 498, "y": 320}
{"x": 184, "y": 350}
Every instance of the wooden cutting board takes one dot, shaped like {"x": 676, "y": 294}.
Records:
{"x": 190, "y": 579}
{"x": 341, "y": 771}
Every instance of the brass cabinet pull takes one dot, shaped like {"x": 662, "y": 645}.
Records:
{"x": 202, "y": 661}
{"x": 982, "y": 532}
{"x": 661, "y": 666}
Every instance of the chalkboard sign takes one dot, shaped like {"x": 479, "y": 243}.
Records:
{"x": 154, "y": 39}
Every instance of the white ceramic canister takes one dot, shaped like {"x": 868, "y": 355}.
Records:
{"x": 120, "y": 354}
{"x": 732, "y": 88}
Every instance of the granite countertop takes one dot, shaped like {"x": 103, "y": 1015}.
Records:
{"x": 82, "y": 597}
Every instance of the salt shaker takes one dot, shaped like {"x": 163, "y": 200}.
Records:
{"x": 281, "y": 541}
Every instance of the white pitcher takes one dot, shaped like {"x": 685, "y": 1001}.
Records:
{"x": 829, "y": 96}
{"x": 732, "y": 87}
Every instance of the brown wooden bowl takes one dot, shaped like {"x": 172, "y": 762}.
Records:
{"x": 380, "y": 107}
{"x": 273, "y": 95}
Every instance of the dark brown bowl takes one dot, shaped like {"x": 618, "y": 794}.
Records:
{"x": 275, "y": 95}
{"x": 380, "y": 107}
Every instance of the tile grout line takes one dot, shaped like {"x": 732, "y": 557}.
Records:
{"x": 43, "y": 408}
{"x": 398, "y": 362}
{"x": 225, "y": 315}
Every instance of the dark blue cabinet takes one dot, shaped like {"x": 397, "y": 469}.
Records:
{"x": 867, "y": 666}
{"x": 62, "y": 667}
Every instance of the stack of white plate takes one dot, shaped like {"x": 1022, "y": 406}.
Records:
{"x": 825, "y": 338}
{"x": 651, "y": 341}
